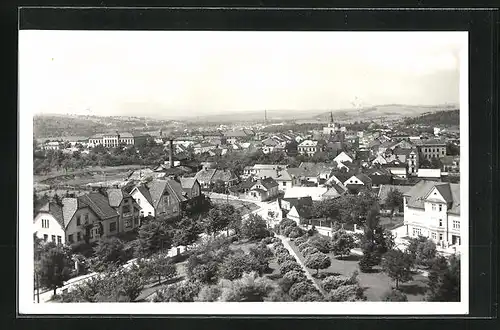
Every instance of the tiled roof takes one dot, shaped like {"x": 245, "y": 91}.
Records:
{"x": 269, "y": 183}
{"x": 156, "y": 189}
{"x": 205, "y": 175}
{"x": 115, "y": 196}
{"x": 99, "y": 204}
{"x": 224, "y": 175}
{"x": 364, "y": 178}
{"x": 55, "y": 210}
{"x": 70, "y": 206}
{"x": 176, "y": 189}
{"x": 308, "y": 143}
{"x": 450, "y": 191}
{"x": 145, "y": 192}
{"x": 187, "y": 183}
{"x": 385, "y": 188}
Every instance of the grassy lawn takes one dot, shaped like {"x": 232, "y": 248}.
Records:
{"x": 375, "y": 283}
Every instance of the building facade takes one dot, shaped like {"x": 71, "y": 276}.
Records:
{"x": 432, "y": 209}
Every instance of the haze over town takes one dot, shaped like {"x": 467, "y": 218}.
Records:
{"x": 175, "y": 74}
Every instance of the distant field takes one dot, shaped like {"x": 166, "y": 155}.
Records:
{"x": 84, "y": 176}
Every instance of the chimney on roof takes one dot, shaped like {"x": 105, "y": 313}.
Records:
{"x": 171, "y": 153}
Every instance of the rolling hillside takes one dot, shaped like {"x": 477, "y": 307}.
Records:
{"x": 440, "y": 118}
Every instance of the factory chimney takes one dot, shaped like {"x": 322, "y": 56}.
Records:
{"x": 171, "y": 153}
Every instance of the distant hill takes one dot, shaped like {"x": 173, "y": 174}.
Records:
{"x": 54, "y": 126}
{"x": 384, "y": 112}
{"x": 440, "y": 118}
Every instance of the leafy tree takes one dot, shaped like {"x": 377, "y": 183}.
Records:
{"x": 375, "y": 242}
{"x": 334, "y": 282}
{"x": 422, "y": 250}
{"x": 452, "y": 149}
{"x": 311, "y": 296}
{"x": 130, "y": 283}
{"x": 318, "y": 261}
{"x": 351, "y": 292}
{"x": 290, "y": 266}
{"x": 342, "y": 243}
{"x": 160, "y": 266}
{"x": 180, "y": 292}
{"x": 394, "y": 295}
{"x": 154, "y": 235}
{"x": 397, "y": 265}
{"x": 187, "y": 233}
{"x": 206, "y": 273}
{"x": 254, "y": 227}
{"x": 109, "y": 250}
{"x": 215, "y": 221}
{"x": 235, "y": 265}
{"x": 209, "y": 293}
{"x": 310, "y": 250}
{"x": 300, "y": 289}
{"x": 262, "y": 254}
{"x": 54, "y": 267}
{"x": 284, "y": 258}
{"x": 219, "y": 187}
{"x": 436, "y": 163}
{"x": 444, "y": 279}
{"x": 394, "y": 200}
{"x": 295, "y": 276}
{"x": 320, "y": 242}
{"x": 250, "y": 287}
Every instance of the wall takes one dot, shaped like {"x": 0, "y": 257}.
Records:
{"x": 73, "y": 229}
{"x": 54, "y": 228}
{"x": 146, "y": 208}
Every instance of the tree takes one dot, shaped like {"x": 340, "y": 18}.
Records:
{"x": 436, "y": 163}
{"x": 250, "y": 288}
{"x": 318, "y": 261}
{"x": 321, "y": 243}
{"x": 290, "y": 266}
{"x": 422, "y": 250}
{"x": 394, "y": 295}
{"x": 154, "y": 235}
{"x": 215, "y": 221}
{"x": 219, "y": 187}
{"x": 342, "y": 243}
{"x": 351, "y": 292}
{"x": 254, "y": 227}
{"x": 295, "y": 276}
{"x": 160, "y": 266}
{"x": 375, "y": 242}
{"x": 109, "y": 250}
{"x": 262, "y": 254}
{"x": 397, "y": 265}
{"x": 54, "y": 267}
{"x": 394, "y": 200}
{"x": 444, "y": 279}
{"x": 452, "y": 149}
{"x": 130, "y": 283}
{"x": 300, "y": 289}
{"x": 187, "y": 233}
{"x": 235, "y": 265}
{"x": 179, "y": 292}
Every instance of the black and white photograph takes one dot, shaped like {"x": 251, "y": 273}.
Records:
{"x": 195, "y": 170}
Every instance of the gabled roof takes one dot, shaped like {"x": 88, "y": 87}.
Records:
{"x": 187, "y": 183}
{"x": 308, "y": 143}
{"x": 364, "y": 178}
{"x": 385, "y": 188}
{"x": 269, "y": 183}
{"x": 450, "y": 192}
{"x": 176, "y": 190}
{"x": 115, "y": 196}
{"x": 224, "y": 175}
{"x": 99, "y": 204}
{"x": 53, "y": 209}
{"x": 156, "y": 189}
{"x": 205, "y": 175}
{"x": 145, "y": 192}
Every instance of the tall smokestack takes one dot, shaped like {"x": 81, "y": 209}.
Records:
{"x": 171, "y": 153}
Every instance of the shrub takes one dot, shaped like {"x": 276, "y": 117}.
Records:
{"x": 278, "y": 244}
{"x": 321, "y": 243}
{"x": 303, "y": 246}
{"x": 282, "y": 258}
{"x": 234, "y": 266}
{"x": 351, "y": 292}
{"x": 311, "y": 296}
{"x": 394, "y": 295}
{"x": 295, "y": 276}
{"x": 287, "y": 231}
{"x": 267, "y": 240}
{"x": 285, "y": 223}
{"x": 300, "y": 289}
{"x": 281, "y": 250}
{"x": 179, "y": 292}
{"x": 234, "y": 238}
{"x": 209, "y": 293}
{"x": 300, "y": 240}
{"x": 276, "y": 239}
{"x": 318, "y": 261}
{"x": 309, "y": 250}
{"x": 334, "y": 282}
{"x": 295, "y": 232}
{"x": 289, "y": 266}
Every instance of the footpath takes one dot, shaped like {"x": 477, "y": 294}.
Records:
{"x": 286, "y": 243}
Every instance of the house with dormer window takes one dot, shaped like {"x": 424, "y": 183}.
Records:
{"x": 432, "y": 209}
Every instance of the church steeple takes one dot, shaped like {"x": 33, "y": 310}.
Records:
{"x": 331, "y": 117}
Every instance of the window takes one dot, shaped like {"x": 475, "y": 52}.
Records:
{"x": 440, "y": 207}
{"x": 53, "y": 238}
{"x": 434, "y": 207}
{"x": 86, "y": 217}
{"x": 112, "y": 226}
{"x": 59, "y": 240}
{"x": 440, "y": 237}
{"x": 284, "y": 184}
{"x": 440, "y": 222}
{"x": 45, "y": 237}
{"x": 434, "y": 236}
{"x": 78, "y": 237}
{"x": 70, "y": 238}
{"x": 456, "y": 224}
{"x": 139, "y": 201}
{"x": 136, "y": 221}
{"x": 417, "y": 231}
{"x": 78, "y": 220}
{"x": 126, "y": 209}
{"x": 442, "y": 152}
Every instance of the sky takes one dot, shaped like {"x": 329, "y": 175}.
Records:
{"x": 183, "y": 73}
